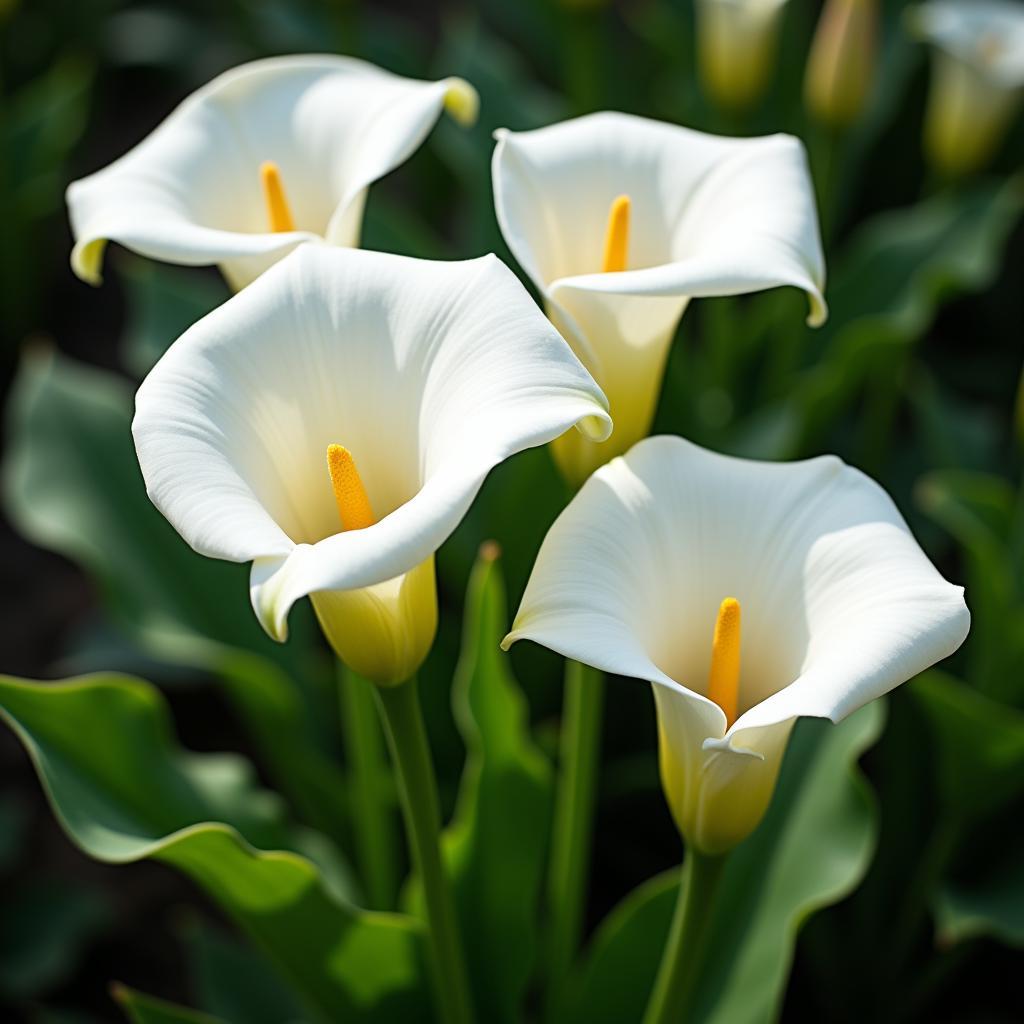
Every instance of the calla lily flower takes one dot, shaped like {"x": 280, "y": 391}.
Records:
{"x": 332, "y": 423}
{"x": 619, "y": 221}
{"x": 977, "y": 77}
{"x": 841, "y": 64}
{"x": 749, "y": 594}
{"x": 266, "y": 156}
{"x": 737, "y": 42}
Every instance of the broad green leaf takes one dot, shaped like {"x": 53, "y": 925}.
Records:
{"x": 977, "y": 510}
{"x": 143, "y": 1009}
{"x": 979, "y": 746}
{"x": 811, "y": 850}
{"x": 72, "y": 484}
{"x": 234, "y": 982}
{"x": 885, "y": 289}
{"x": 991, "y": 902}
{"x": 163, "y": 302}
{"x": 120, "y": 788}
{"x": 497, "y": 840}
{"x": 978, "y": 754}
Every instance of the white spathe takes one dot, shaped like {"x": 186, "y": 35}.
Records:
{"x": 709, "y": 216}
{"x": 429, "y": 373}
{"x": 977, "y": 77}
{"x": 190, "y": 192}
{"x": 839, "y": 606}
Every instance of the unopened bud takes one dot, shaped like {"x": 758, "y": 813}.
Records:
{"x": 841, "y": 65}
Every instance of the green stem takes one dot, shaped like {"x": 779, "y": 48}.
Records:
{"x": 672, "y": 999}
{"x": 410, "y": 752}
{"x": 370, "y": 799}
{"x": 580, "y": 747}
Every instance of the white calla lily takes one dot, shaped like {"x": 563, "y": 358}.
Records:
{"x": 666, "y": 545}
{"x": 196, "y": 190}
{"x": 704, "y": 215}
{"x": 737, "y": 41}
{"x": 977, "y": 77}
{"x": 428, "y": 373}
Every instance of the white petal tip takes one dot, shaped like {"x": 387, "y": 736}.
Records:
{"x": 87, "y": 260}
{"x": 597, "y": 427}
{"x": 818, "y": 312}
{"x": 462, "y": 102}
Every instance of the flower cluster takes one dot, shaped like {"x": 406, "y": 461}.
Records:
{"x": 332, "y": 422}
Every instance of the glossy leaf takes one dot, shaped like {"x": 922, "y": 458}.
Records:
{"x": 978, "y": 753}
{"x": 72, "y": 485}
{"x": 163, "y": 302}
{"x": 884, "y": 291}
{"x": 123, "y": 792}
{"x": 989, "y": 902}
{"x": 497, "y": 840}
{"x": 811, "y": 850}
{"x": 977, "y": 509}
{"x": 979, "y": 746}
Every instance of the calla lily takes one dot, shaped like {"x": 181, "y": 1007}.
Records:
{"x": 737, "y": 42}
{"x": 749, "y": 594}
{"x": 332, "y": 423}
{"x": 977, "y": 77}
{"x": 841, "y": 64}
{"x": 266, "y": 156}
{"x": 619, "y": 221}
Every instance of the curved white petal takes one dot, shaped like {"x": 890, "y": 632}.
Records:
{"x": 429, "y": 373}
{"x": 710, "y": 215}
{"x": 839, "y": 603}
{"x": 190, "y": 192}
{"x": 988, "y": 35}
{"x": 839, "y": 606}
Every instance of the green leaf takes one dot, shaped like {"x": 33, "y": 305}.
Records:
{"x": 72, "y": 485}
{"x": 885, "y": 289}
{"x": 979, "y": 746}
{"x": 122, "y": 791}
{"x": 234, "y": 982}
{"x": 143, "y": 1009}
{"x": 977, "y": 510}
{"x": 811, "y": 850}
{"x": 978, "y": 754}
{"x": 497, "y": 840}
{"x": 990, "y": 902}
{"x": 162, "y": 303}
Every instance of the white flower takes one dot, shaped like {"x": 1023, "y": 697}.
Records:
{"x": 429, "y": 374}
{"x": 702, "y": 215}
{"x": 977, "y": 77}
{"x": 737, "y": 42}
{"x": 264, "y": 157}
{"x": 818, "y": 595}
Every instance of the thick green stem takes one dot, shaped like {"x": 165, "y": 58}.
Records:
{"x": 574, "y": 817}
{"x": 410, "y": 752}
{"x": 371, "y": 800}
{"x": 675, "y": 988}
